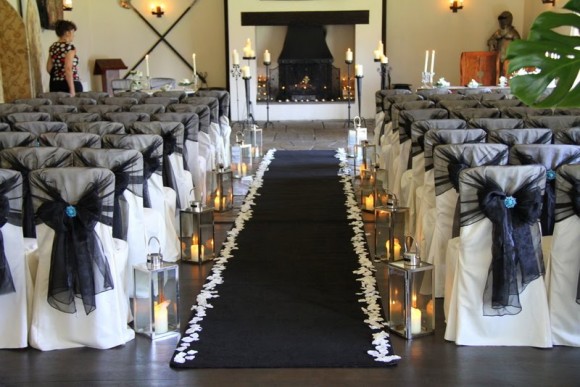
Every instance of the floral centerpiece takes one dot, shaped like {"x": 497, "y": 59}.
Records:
{"x": 442, "y": 83}
{"x": 136, "y": 78}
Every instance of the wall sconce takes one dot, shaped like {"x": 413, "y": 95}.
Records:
{"x": 454, "y": 5}
{"x": 553, "y": 2}
{"x": 67, "y": 5}
{"x": 157, "y": 11}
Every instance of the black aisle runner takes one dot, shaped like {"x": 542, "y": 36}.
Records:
{"x": 289, "y": 295}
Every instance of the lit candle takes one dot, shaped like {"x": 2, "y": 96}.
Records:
{"x": 248, "y": 49}
{"x": 397, "y": 249}
{"x": 267, "y": 58}
{"x": 349, "y": 55}
{"x": 384, "y": 59}
{"x": 396, "y": 310}
{"x": 415, "y": 321}
{"x": 426, "y": 60}
{"x": 380, "y": 47}
{"x": 194, "y": 250}
{"x": 235, "y": 57}
{"x": 216, "y": 201}
{"x": 246, "y": 72}
{"x": 370, "y": 202}
{"x": 194, "y": 66}
{"x": 377, "y": 54}
{"x": 432, "y": 60}
{"x": 147, "y": 65}
{"x": 161, "y": 321}
{"x": 358, "y": 70}
{"x": 244, "y": 169}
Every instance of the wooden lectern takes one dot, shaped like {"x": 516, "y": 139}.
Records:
{"x": 483, "y": 66}
{"x": 108, "y": 69}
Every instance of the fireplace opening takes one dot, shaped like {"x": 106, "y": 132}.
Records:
{"x": 305, "y": 67}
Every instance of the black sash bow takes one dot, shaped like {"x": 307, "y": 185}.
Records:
{"x": 151, "y": 164}
{"x": 78, "y": 265}
{"x": 514, "y": 258}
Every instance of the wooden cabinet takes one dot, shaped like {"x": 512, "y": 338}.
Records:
{"x": 483, "y": 66}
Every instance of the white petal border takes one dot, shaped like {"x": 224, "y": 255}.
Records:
{"x": 183, "y": 352}
{"x": 382, "y": 351}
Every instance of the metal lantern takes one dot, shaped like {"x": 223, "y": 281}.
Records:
{"x": 381, "y": 192}
{"x": 221, "y": 195}
{"x": 411, "y": 305}
{"x": 390, "y": 229}
{"x": 241, "y": 157}
{"x": 253, "y": 136}
{"x": 354, "y": 138}
{"x": 369, "y": 155}
{"x": 156, "y": 301}
{"x": 197, "y": 233}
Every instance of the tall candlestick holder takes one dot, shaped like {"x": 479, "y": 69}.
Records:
{"x": 348, "y": 122}
{"x": 236, "y": 74}
{"x": 427, "y": 79}
{"x": 385, "y": 71}
{"x": 249, "y": 107}
{"x": 359, "y": 97}
{"x": 268, "y": 91}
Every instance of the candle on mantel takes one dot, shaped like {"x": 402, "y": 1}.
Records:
{"x": 426, "y": 60}
{"x": 248, "y": 49}
{"x": 147, "y": 65}
{"x": 246, "y": 72}
{"x": 396, "y": 251}
{"x": 358, "y": 70}
{"x": 161, "y": 320}
{"x": 415, "y": 321}
{"x": 235, "y": 58}
{"x": 349, "y": 55}
{"x": 194, "y": 65}
{"x": 267, "y": 57}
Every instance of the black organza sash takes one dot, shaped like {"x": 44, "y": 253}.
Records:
{"x": 6, "y": 282}
{"x": 78, "y": 265}
{"x": 151, "y": 164}
{"x": 514, "y": 255}
{"x": 170, "y": 147}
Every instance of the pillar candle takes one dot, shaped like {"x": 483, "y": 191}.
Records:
{"x": 267, "y": 57}
{"x": 246, "y": 72}
{"x": 194, "y": 66}
{"x": 426, "y": 60}
{"x": 349, "y": 55}
{"x": 377, "y": 54}
{"x": 358, "y": 70}
{"x": 380, "y": 47}
{"x": 161, "y": 320}
{"x": 147, "y": 65}
{"x": 384, "y": 59}
{"x": 415, "y": 321}
{"x": 432, "y": 60}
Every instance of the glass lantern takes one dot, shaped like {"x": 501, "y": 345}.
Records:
{"x": 221, "y": 194}
{"x": 390, "y": 229}
{"x": 381, "y": 192}
{"x": 197, "y": 233}
{"x": 369, "y": 155}
{"x": 156, "y": 301}
{"x": 241, "y": 157}
{"x": 411, "y": 305}
{"x": 253, "y": 136}
{"x": 354, "y": 137}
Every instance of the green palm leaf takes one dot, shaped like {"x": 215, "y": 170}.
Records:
{"x": 556, "y": 56}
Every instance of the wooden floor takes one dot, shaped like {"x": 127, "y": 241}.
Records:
{"x": 428, "y": 361}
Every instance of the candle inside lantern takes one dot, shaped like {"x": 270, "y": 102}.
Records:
{"x": 349, "y": 55}
{"x": 244, "y": 169}
{"x": 216, "y": 200}
{"x": 235, "y": 57}
{"x": 370, "y": 202}
{"x": 397, "y": 247}
{"x": 161, "y": 320}
{"x": 415, "y": 321}
{"x": 396, "y": 309}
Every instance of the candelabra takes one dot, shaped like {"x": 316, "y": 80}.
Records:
{"x": 427, "y": 79}
{"x": 237, "y": 73}
{"x": 267, "y": 64}
{"x": 359, "y": 98}
{"x": 249, "y": 108}
{"x": 348, "y": 123}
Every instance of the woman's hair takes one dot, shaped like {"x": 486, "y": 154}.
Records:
{"x": 61, "y": 27}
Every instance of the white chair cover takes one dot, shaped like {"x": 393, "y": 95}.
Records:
{"x": 60, "y": 319}
{"x": 15, "y": 284}
{"x": 70, "y": 141}
{"x": 564, "y": 292}
{"x": 223, "y": 97}
{"x": 519, "y": 316}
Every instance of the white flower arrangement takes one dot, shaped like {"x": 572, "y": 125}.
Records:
{"x": 473, "y": 84}
{"x": 442, "y": 83}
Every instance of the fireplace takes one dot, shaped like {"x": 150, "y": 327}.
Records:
{"x": 305, "y": 67}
